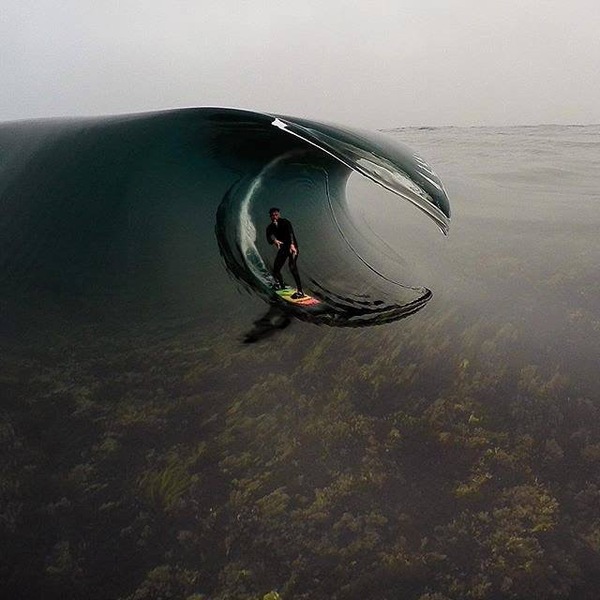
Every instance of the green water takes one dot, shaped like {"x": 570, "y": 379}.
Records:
{"x": 147, "y": 452}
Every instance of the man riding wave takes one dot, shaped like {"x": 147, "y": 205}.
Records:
{"x": 281, "y": 234}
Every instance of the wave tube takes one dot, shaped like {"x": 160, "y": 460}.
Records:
{"x": 154, "y": 214}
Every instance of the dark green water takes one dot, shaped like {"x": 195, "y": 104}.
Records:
{"x": 428, "y": 447}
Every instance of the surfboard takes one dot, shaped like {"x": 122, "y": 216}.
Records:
{"x": 306, "y": 300}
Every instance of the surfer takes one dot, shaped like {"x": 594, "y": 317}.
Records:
{"x": 281, "y": 233}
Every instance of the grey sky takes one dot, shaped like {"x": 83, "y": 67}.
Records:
{"x": 371, "y": 63}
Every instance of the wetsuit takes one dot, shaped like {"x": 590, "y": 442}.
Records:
{"x": 283, "y": 231}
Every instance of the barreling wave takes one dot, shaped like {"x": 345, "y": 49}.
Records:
{"x": 161, "y": 210}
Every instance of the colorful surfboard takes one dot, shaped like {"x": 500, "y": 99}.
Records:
{"x": 306, "y": 300}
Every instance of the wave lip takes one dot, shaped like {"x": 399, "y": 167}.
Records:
{"x": 392, "y": 165}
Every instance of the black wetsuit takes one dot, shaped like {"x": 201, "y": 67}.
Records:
{"x": 283, "y": 231}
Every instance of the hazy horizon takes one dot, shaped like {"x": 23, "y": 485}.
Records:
{"x": 377, "y": 65}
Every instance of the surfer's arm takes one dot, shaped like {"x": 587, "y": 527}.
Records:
{"x": 272, "y": 239}
{"x": 271, "y": 236}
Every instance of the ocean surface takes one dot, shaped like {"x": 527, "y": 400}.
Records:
{"x": 170, "y": 428}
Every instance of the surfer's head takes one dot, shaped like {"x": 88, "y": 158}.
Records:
{"x": 274, "y": 213}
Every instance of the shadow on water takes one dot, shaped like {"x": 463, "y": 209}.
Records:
{"x": 274, "y": 320}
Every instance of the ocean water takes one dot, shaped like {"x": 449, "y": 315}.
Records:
{"x": 170, "y": 430}
{"x": 521, "y": 247}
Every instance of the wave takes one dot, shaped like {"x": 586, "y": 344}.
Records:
{"x": 157, "y": 212}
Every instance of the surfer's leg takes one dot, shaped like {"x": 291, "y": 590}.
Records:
{"x": 279, "y": 262}
{"x": 294, "y": 271}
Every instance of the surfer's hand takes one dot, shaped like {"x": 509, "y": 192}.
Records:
{"x": 278, "y": 243}
{"x": 293, "y": 250}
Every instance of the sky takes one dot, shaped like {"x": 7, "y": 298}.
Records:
{"x": 367, "y": 63}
